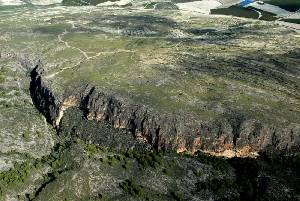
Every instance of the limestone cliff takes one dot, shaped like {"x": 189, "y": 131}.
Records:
{"x": 229, "y": 135}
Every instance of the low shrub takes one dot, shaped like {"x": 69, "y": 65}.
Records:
{"x": 218, "y": 163}
{"x": 17, "y": 174}
{"x": 145, "y": 159}
{"x": 129, "y": 186}
{"x": 177, "y": 196}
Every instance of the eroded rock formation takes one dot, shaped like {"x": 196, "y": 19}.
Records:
{"x": 230, "y": 135}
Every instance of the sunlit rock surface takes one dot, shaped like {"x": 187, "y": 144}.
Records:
{"x": 212, "y": 84}
{"x": 145, "y": 80}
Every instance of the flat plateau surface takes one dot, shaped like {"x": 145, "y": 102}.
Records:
{"x": 218, "y": 83}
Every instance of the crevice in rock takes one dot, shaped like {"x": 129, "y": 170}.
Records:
{"x": 40, "y": 189}
{"x": 41, "y": 96}
{"x": 86, "y": 99}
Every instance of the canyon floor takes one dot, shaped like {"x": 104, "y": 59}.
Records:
{"x": 138, "y": 104}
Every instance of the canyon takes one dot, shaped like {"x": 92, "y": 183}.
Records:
{"x": 106, "y": 103}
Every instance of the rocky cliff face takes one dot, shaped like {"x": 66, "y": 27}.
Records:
{"x": 121, "y": 79}
{"x": 229, "y": 135}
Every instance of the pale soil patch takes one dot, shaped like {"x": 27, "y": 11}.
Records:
{"x": 271, "y": 9}
{"x": 199, "y": 6}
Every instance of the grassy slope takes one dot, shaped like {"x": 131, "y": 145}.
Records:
{"x": 167, "y": 74}
{"x": 204, "y": 74}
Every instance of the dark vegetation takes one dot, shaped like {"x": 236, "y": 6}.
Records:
{"x": 296, "y": 21}
{"x": 222, "y": 188}
{"x": 129, "y": 186}
{"x": 150, "y": 5}
{"x": 145, "y": 159}
{"x": 75, "y": 125}
{"x": 20, "y": 172}
{"x": 55, "y": 160}
{"x": 177, "y": 196}
{"x": 218, "y": 163}
{"x": 17, "y": 174}
{"x": 249, "y": 12}
{"x": 248, "y": 181}
{"x": 249, "y": 184}
{"x": 290, "y": 5}
{"x": 256, "y": 177}
{"x": 236, "y": 11}
{"x": 243, "y": 12}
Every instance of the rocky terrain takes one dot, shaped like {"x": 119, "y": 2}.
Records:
{"x": 102, "y": 103}
{"x": 175, "y": 85}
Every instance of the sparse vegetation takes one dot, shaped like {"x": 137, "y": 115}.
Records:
{"x": 197, "y": 173}
{"x": 218, "y": 163}
{"x": 2, "y": 79}
{"x": 190, "y": 72}
{"x": 111, "y": 160}
{"x": 177, "y": 196}
{"x": 91, "y": 149}
{"x": 167, "y": 171}
{"x": 1, "y": 192}
{"x": 150, "y": 5}
{"x": 146, "y": 159}
{"x": 218, "y": 186}
{"x": 129, "y": 186}
{"x": 16, "y": 174}
{"x": 127, "y": 164}
{"x": 26, "y": 135}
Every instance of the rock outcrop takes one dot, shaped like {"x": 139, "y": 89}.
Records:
{"x": 230, "y": 135}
